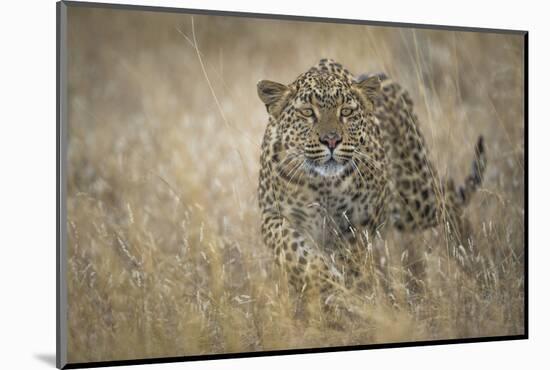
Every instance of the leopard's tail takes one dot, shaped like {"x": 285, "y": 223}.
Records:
{"x": 475, "y": 177}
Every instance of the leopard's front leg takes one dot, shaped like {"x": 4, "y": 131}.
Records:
{"x": 309, "y": 271}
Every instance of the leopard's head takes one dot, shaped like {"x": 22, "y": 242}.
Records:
{"x": 323, "y": 119}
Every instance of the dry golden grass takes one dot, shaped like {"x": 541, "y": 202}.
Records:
{"x": 165, "y": 257}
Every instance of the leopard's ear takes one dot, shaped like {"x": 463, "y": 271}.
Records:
{"x": 368, "y": 89}
{"x": 274, "y": 95}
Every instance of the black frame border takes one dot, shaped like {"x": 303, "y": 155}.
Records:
{"x": 61, "y": 122}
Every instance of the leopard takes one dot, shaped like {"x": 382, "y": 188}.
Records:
{"x": 343, "y": 158}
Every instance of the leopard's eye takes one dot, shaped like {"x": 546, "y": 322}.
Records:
{"x": 344, "y": 112}
{"x": 307, "y": 112}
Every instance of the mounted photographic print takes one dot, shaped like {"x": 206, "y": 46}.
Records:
{"x": 234, "y": 184}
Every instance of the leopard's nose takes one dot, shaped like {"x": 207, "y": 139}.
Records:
{"x": 331, "y": 140}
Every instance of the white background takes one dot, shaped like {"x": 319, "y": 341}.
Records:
{"x": 27, "y": 186}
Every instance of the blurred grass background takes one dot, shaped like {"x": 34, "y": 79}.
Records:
{"x": 165, "y": 257}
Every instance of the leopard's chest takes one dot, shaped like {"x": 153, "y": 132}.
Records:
{"x": 330, "y": 212}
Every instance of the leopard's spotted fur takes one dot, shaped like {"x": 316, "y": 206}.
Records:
{"x": 343, "y": 156}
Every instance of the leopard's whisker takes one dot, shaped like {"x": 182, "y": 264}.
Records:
{"x": 289, "y": 163}
{"x": 358, "y": 171}
{"x": 296, "y": 171}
